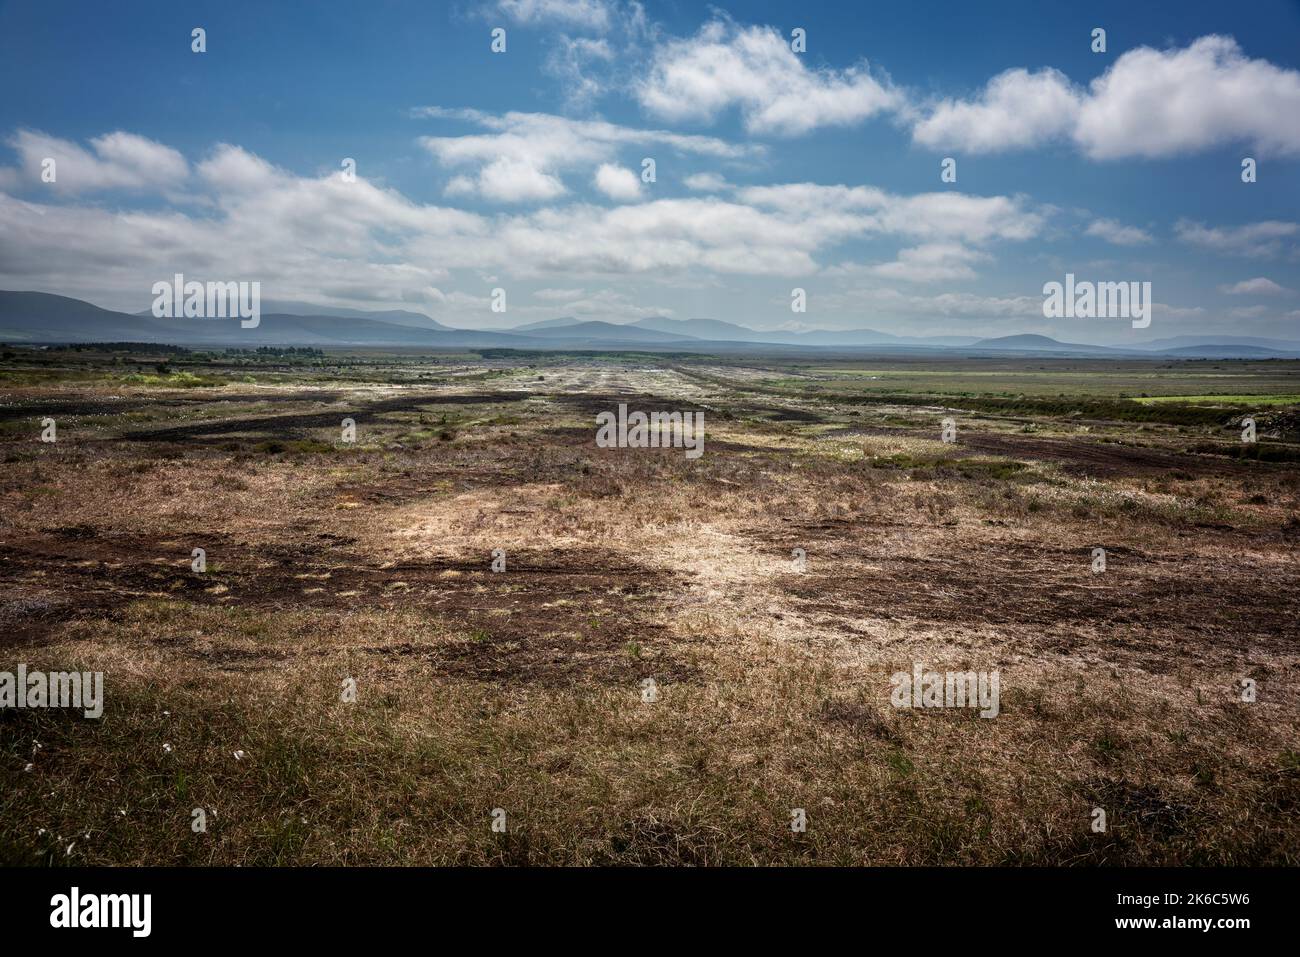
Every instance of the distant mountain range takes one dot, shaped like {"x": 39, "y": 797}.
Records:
{"x": 42, "y": 318}
{"x": 400, "y": 317}
{"x": 1228, "y": 347}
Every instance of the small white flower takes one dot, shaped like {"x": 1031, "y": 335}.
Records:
{"x": 167, "y": 748}
{"x": 239, "y": 755}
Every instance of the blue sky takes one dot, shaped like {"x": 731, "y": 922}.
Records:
{"x": 773, "y": 169}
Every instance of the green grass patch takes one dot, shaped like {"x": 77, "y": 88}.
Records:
{"x": 1223, "y": 400}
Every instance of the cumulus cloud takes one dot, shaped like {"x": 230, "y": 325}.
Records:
{"x": 1115, "y": 232}
{"x": 1149, "y": 103}
{"x": 325, "y": 238}
{"x": 1017, "y": 109}
{"x": 754, "y": 69}
{"x": 508, "y": 180}
{"x": 1165, "y": 103}
{"x": 305, "y": 237}
{"x": 233, "y": 170}
{"x": 1259, "y": 286}
{"x": 1258, "y": 240}
{"x": 618, "y": 183}
{"x": 862, "y": 210}
{"x": 669, "y": 236}
{"x": 523, "y": 155}
{"x": 114, "y": 161}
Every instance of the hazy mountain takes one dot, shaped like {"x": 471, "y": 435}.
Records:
{"x": 1029, "y": 342}
{"x": 873, "y": 337}
{"x": 843, "y": 337}
{"x": 282, "y": 329}
{"x": 1210, "y": 348}
{"x": 1230, "y": 351}
{"x": 606, "y": 331}
{"x": 717, "y": 331}
{"x": 714, "y": 329}
{"x": 546, "y": 324}
{"x": 398, "y": 317}
{"x": 42, "y": 317}
{"x": 278, "y": 329}
{"x": 1289, "y": 346}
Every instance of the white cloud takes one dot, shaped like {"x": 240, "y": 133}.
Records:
{"x": 618, "y": 183}
{"x": 1259, "y": 286}
{"x": 510, "y": 180}
{"x": 974, "y": 219}
{"x": 706, "y": 182}
{"x": 861, "y": 210}
{"x": 1117, "y": 233}
{"x": 589, "y": 67}
{"x": 323, "y": 238}
{"x": 232, "y": 170}
{"x": 754, "y": 69}
{"x": 523, "y": 154}
{"x": 666, "y": 236}
{"x": 571, "y": 60}
{"x": 1174, "y": 102}
{"x": 886, "y": 301}
{"x": 588, "y": 14}
{"x": 306, "y": 238}
{"x": 1017, "y": 109}
{"x": 1149, "y": 103}
{"x": 1162, "y": 310}
{"x": 1258, "y": 240}
{"x": 115, "y": 161}
{"x": 610, "y": 305}
{"x": 931, "y": 262}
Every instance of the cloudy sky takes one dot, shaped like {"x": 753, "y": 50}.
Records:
{"x": 773, "y": 169}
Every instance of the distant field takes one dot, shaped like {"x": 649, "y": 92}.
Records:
{"x": 1110, "y": 379}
